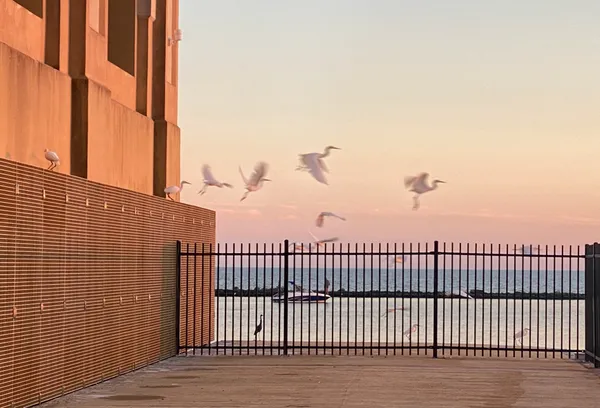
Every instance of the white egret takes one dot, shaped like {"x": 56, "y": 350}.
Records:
{"x": 321, "y": 242}
{"x": 175, "y": 189}
{"x": 418, "y": 185}
{"x": 210, "y": 180}
{"x": 321, "y": 217}
{"x": 314, "y": 163}
{"x": 408, "y": 332}
{"x": 520, "y": 334}
{"x": 398, "y": 309}
{"x": 256, "y": 179}
{"x": 52, "y": 157}
{"x": 299, "y": 247}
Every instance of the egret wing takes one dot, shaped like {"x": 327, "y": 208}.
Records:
{"x": 243, "y": 177}
{"x": 260, "y": 171}
{"x": 408, "y": 180}
{"x": 322, "y": 165}
{"x": 314, "y": 168}
{"x": 208, "y": 175}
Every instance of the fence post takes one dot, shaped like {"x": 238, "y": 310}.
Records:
{"x": 178, "y": 297}
{"x": 589, "y": 300}
{"x": 285, "y": 295}
{"x": 435, "y": 297}
{"x": 596, "y": 302}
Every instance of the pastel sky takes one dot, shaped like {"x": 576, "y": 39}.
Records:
{"x": 501, "y": 99}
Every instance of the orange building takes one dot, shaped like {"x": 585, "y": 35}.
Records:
{"x": 96, "y": 82}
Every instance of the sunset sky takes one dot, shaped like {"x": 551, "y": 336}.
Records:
{"x": 501, "y": 99}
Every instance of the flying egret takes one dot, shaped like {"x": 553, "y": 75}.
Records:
{"x": 258, "y": 327}
{"x": 411, "y": 330}
{"x": 210, "y": 180}
{"x": 321, "y": 217}
{"x": 526, "y": 249}
{"x": 52, "y": 157}
{"x": 175, "y": 189}
{"x": 321, "y": 242}
{"x": 418, "y": 185}
{"x": 520, "y": 334}
{"x": 299, "y": 247}
{"x": 256, "y": 178}
{"x": 314, "y": 163}
{"x": 393, "y": 311}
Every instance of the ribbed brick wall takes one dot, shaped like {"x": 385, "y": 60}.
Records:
{"x": 87, "y": 281}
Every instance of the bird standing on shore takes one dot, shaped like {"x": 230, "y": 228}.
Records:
{"x": 418, "y": 185}
{"x": 210, "y": 180}
{"x": 256, "y": 180}
{"x": 314, "y": 163}
{"x": 175, "y": 189}
{"x": 321, "y": 218}
{"x": 520, "y": 334}
{"x": 53, "y": 158}
{"x": 258, "y": 327}
{"x": 411, "y": 330}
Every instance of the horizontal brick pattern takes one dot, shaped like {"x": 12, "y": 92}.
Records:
{"x": 88, "y": 281}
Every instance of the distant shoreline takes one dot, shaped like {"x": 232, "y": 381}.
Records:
{"x": 475, "y": 294}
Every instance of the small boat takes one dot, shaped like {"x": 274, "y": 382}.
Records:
{"x": 299, "y": 294}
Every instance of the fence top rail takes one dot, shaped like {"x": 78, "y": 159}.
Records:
{"x": 259, "y": 253}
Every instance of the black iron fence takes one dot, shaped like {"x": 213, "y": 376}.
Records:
{"x": 592, "y": 304}
{"x": 462, "y": 299}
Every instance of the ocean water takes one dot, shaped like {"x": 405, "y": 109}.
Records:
{"x": 403, "y": 280}
{"x": 555, "y": 324}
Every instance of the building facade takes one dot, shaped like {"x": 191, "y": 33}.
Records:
{"x": 95, "y": 81}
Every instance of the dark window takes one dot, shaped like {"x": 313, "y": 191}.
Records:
{"x": 121, "y": 34}
{"x": 35, "y": 6}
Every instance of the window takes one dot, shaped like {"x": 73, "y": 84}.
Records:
{"x": 35, "y": 6}
{"x": 121, "y": 34}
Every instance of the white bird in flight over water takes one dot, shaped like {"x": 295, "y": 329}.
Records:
{"x": 52, "y": 157}
{"x": 395, "y": 259}
{"x": 322, "y": 242}
{"x": 418, "y": 185}
{"x": 314, "y": 163}
{"x": 321, "y": 217}
{"x": 256, "y": 179}
{"x": 210, "y": 180}
{"x": 175, "y": 189}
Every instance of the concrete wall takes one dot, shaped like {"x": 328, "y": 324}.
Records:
{"x": 35, "y": 110}
{"x": 104, "y": 106}
{"x": 120, "y": 143}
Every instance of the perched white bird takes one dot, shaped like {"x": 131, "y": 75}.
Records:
{"x": 210, "y": 180}
{"x": 321, "y": 242}
{"x": 321, "y": 217}
{"x": 520, "y": 334}
{"x": 52, "y": 157}
{"x": 256, "y": 179}
{"x": 418, "y": 185}
{"x": 314, "y": 163}
{"x": 175, "y": 189}
{"x": 408, "y": 332}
